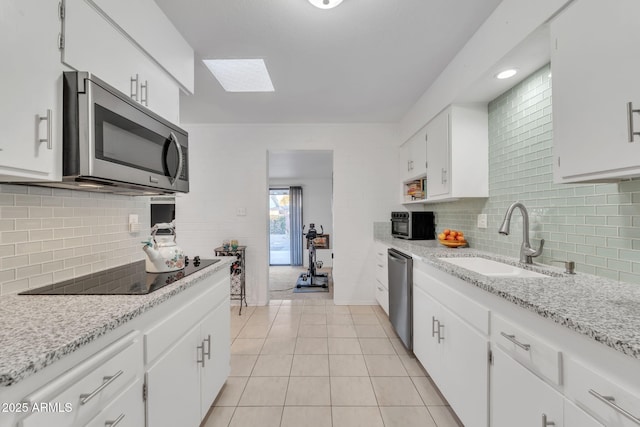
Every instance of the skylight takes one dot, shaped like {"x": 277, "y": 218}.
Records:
{"x": 241, "y": 75}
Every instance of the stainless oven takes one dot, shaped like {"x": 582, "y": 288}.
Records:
{"x": 112, "y": 142}
{"x": 417, "y": 225}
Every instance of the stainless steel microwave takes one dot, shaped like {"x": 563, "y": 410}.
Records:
{"x": 111, "y": 143}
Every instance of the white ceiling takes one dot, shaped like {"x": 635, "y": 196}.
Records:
{"x": 364, "y": 61}
{"x": 299, "y": 164}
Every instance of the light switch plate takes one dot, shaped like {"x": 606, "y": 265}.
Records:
{"x": 482, "y": 220}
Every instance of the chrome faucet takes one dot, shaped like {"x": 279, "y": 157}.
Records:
{"x": 526, "y": 251}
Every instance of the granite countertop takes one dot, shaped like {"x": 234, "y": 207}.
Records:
{"x": 604, "y": 310}
{"x": 37, "y": 330}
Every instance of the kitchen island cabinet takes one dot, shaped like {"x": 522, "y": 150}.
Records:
{"x": 596, "y": 135}
{"x": 31, "y": 87}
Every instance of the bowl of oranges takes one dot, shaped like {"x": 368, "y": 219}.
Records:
{"x": 452, "y": 238}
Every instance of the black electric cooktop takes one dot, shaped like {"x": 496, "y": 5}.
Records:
{"x": 130, "y": 279}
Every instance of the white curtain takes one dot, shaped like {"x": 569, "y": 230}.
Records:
{"x": 295, "y": 217}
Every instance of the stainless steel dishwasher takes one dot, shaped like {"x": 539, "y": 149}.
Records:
{"x": 400, "y": 295}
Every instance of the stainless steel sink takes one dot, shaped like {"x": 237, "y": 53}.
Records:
{"x": 491, "y": 268}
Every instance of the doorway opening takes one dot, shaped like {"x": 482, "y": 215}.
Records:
{"x": 297, "y": 178}
{"x": 279, "y": 227}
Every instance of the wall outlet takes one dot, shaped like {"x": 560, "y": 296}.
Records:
{"x": 241, "y": 212}
{"x": 134, "y": 225}
{"x": 482, "y": 220}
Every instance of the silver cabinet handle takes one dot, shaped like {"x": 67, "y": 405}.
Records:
{"x": 48, "y": 139}
{"x": 513, "y": 339}
{"x": 201, "y": 349}
{"x": 115, "y": 422}
{"x": 380, "y": 265}
{"x": 208, "y": 352}
{"x": 443, "y": 174}
{"x": 610, "y": 400}
{"x": 546, "y": 423}
{"x": 380, "y": 288}
{"x": 144, "y": 93}
{"x": 433, "y": 326}
{"x": 134, "y": 88}
{"x": 86, "y": 397}
{"x": 440, "y": 334}
{"x": 630, "y": 130}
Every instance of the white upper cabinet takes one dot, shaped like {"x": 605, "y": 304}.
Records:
{"x": 96, "y": 44}
{"x": 31, "y": 85}
{"x": 413, "y": 157}
{"x": 595, "y": 66}
{"x": 458, "y": 153}
{"x": 145, "y": 23}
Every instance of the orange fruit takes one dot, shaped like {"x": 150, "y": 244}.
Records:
{"x": 442, "y": 236}
{"x": 460, "y": 238}
{"x": 446, "y": 231}
{"x": 450, "y": 237}
{"x": 453, "y": 233}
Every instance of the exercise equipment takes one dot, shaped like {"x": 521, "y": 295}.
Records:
{"x": 311, "y": 278}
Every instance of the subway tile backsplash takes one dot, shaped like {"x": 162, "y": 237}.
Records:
{"x": 48, "y": 235}
{"x": 596, "y": 225}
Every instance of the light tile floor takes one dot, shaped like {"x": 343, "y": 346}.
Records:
{"x": 310, "y": 363}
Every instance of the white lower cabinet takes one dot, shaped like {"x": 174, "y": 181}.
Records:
{"x": 80, "y": 393}
{"x": 520, "y": 398}
{"x": 215, "y": 333}
{"x": 453, "y": 352}
{"x": 163, "y": 368}
{"x": 124, "y": 411}
{"x": 174, "y": 384}
{"x": 189, "y": 358}
{"x": 610, "y": 401}
{"x": 381, "y": 275}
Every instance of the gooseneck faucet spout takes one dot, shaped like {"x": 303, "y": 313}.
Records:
{"x": 526, "y": 251}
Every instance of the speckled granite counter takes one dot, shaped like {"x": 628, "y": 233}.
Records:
{"x": 37, "y": 330}
{"x": 604, "y": 310}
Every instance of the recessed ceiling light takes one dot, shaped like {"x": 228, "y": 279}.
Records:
{"x": 506, "y": 73}
{"x": 241, "y": 75}
{"x": 325, "y": 4}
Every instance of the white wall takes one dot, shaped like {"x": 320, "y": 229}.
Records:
{"x": 230, "y": 171}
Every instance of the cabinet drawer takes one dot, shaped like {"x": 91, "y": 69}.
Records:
{"x": 576, "y": 417}
{"x": 167, "y": 332}
{"x": 528, "y": 349}
{"x": 95, "y": 381}
{"x": 382, "y": 296}
{"x": 584, "y": 385}
{"x": 380, "y": 250}
{"x": 382, "y": 275}
{"x": 128, "y": 408}
{"x": 434, "y": 283}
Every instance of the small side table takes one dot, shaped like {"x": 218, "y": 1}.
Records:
{"x": 238, "y": 291}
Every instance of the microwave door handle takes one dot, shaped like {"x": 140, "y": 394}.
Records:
{"x": 174, "y": 140}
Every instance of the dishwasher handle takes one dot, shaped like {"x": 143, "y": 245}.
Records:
{"x": 398, "y": 256}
